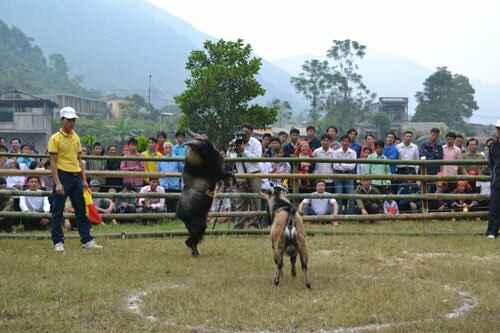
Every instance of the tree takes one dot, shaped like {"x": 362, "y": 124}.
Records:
{"x": 138, "y": 108}
{"x": 284, "y": 112}
{"x": 313, "y": 83}
{"x": 59, "y": 65}
{"x": 349, "y": 98}
{"x": 219, "y": 91}
{"x": 447, "y": 98}
{"x": 88, "y": 140}
{"x": 23, "y": 66}
{"x": 138, "y": 100}
{"x": 382, "y": 122}
{"x": 335, "y": 87}
{"x": 123, "y": 129}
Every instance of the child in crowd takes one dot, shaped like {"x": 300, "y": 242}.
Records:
{"x": 463, "y": 187}
{"x": 304, "y": 151}
{"x": 409, "y": 205}
{"x": 440, "y": 204}
{"x": 113, "y": 201}
{"x": 127, "y": 205}
{"x": 391, "y": 207}
{"x": 25, "y": 163}
{"x": 103, "y": 205}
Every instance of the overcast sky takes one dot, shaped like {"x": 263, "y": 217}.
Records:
{"x": 464, "y": 35}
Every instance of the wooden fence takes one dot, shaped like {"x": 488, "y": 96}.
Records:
{"x": 294, "y": 177}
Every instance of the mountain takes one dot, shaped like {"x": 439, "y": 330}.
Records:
{"x": 116, "y": 44}
{"x": 395, "y": 76}
{"x": 23, "y": 66}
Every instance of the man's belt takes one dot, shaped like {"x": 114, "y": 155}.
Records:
{"x": 344, "y": 171}
{"x": 406, "y": 168}
{"x": 74, "y": 174}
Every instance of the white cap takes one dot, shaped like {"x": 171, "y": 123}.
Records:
{"x": 68, "y": 112}
{"x": 498, "y": 123}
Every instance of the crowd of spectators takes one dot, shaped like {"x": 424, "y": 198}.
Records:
{"x": 347, "y": 147}
{"x": 313, "y": 145}
{"x": 157, "y": 147}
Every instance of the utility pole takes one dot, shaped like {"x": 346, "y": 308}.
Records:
{"x": 149, "y": 91}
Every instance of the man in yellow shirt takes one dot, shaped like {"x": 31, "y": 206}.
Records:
{"x": 151, "y": 166}
{"x": 68, "y": 174}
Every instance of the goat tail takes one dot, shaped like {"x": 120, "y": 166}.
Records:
{"x": 290, "y": 229}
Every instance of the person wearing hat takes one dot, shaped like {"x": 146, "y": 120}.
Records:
{"x": 103, "y": 205}
{"x": 494, "y": 164}
{"x": 68, "y": 174}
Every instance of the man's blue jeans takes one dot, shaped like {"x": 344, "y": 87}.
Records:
{"x": 344, "y": 187}
{"x": 73, "y": 188}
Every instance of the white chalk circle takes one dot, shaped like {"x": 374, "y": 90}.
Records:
{"x": 135, "y": 301}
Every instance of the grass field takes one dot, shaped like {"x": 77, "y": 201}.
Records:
{"x": 403, "y": 283}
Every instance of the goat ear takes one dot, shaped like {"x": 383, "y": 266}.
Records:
{"x": 197, "y": 136}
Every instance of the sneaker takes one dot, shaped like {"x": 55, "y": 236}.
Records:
{"x": 491, "y": 237}
{"x": 91, "y": 245}
{"x": 59, "y": 247}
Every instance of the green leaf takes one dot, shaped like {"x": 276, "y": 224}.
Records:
{"x": 221, "y": 86}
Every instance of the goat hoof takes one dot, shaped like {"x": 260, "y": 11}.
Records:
{"x": 192, "y": 247}
{"x": 294, "y": 273}
{"x": 276, "y": 280}
{"x": 308, "y": 285}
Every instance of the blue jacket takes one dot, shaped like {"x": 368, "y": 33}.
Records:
{"x": 179, "y": 151}
{"x": 391, "y": 152}
{"x": 356, "y": 147}
{"x": 170, "y": 183}
{"x": 24, "y": 162}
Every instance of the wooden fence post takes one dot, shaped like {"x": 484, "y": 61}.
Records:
{"x": 295, "y": 181}
{"x": 425, "y": 202}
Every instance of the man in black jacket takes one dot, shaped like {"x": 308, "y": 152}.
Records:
{"x": 494, "y": 164}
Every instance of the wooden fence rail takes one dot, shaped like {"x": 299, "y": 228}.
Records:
{"x": 115, "y": 174}
{"x": 271, "y": 159}
{"x": 430, "y": 196}
{"x": 317, "y": 218}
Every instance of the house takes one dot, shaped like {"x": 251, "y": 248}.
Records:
{"x": 27, "y": 117}
{"x": 116, "y": 106}
{"x": 84, "y": 106}
{"x": 396, "y": 108}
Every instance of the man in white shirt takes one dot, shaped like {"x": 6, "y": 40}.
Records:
{"x": 38, "y": 204}
{"x": 152, "y": 205}
{"x": 325, "y": 151}
{"x": 250, "y": 147}
{"x": 345, "y": 186}
{"x": 319, "y": 206}
{"x": 408, "y": 151}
